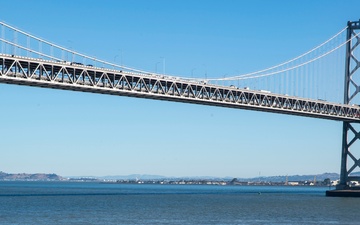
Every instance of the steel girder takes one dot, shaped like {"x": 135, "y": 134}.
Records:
{"x": 351, "y": 90}
{"x": 78, "y": 77}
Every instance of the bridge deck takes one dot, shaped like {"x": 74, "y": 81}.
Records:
{"x": 87, "y": 78}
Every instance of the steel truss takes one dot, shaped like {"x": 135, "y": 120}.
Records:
{"x": 78, "y": 77}
{"x": 351, "y": 90}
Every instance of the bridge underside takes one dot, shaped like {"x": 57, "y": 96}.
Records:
{"x": 74, "y": 76}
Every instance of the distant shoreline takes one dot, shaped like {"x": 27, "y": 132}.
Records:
{"x": 325, "y": 179}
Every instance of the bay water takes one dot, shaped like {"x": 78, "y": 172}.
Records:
{"x": 37, "y": 203}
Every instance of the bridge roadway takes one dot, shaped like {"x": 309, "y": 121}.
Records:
{"x": 77, "y": 77}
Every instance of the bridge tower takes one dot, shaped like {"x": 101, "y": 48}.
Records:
{"x": 351, "y": 89}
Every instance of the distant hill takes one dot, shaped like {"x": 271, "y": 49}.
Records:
{"x": 29, "y": 177}
{"x": 318, "y": 177}
{"x": 55, "y": 177}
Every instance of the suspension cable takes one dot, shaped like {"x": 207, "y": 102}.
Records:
{"x": 294, "y": 67}
{"x": 239, "y": 77}
{"x": 71, "y": 51}
{"x": 284, "y": 63}
{"x": 30, "y": 50}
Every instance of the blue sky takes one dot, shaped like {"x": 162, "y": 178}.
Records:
{"x": 77, "y": 134}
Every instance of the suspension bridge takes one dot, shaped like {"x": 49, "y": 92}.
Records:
{"x": 321, "y": 83}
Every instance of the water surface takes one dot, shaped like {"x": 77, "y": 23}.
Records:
{"x": 99, "y": 203}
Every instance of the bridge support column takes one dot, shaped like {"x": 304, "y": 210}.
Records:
{"x": 344, "y": 154}
{"x": 351, "y": 90}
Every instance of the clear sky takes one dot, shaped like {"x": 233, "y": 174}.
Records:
{"x": 81, "y": 134}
